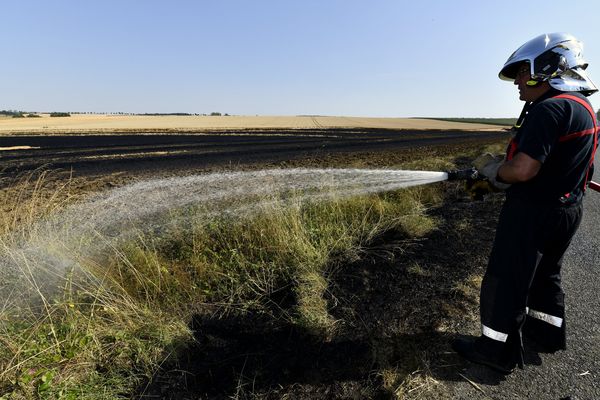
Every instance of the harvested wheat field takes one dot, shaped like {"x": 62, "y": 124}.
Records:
{"x": 128, "y": 123}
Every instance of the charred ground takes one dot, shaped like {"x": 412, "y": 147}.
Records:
{"x": 397, "y": 310}
{"x": 157, "y": 152}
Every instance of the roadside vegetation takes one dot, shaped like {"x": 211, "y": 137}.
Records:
{"x": 119, "y": 318}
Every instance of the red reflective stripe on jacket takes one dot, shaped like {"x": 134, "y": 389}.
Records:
{"x": 575, "y": 135}
{"x": 594, "y": 130}
{"x": 580, "y": 101}
{"x": 512, "y": 149}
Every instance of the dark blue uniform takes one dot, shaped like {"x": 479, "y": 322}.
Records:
{"x": 521, "y": 289}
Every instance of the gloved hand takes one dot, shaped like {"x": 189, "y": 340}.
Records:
{"x": 487, "y": 165}
{"x": 477, "y": 188}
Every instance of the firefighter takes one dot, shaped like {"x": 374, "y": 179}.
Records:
{"x": 545, "y": 171}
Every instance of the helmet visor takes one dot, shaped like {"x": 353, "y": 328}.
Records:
{"x": 510, "y": 71}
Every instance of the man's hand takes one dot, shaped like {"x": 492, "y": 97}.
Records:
{"x": 487, "y": 164}
{"x": 520, "y": 168}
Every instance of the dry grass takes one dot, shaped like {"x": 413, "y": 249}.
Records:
{"x": 51, "y": 346}
{"x": 117, "y": 319}
{"x": 418, "y": 384}
{"x": 28, "y": 199}
{"x": 114, "y": 123}
{"x": 30, "y": 196}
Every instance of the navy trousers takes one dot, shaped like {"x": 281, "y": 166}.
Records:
{"x": 521, "y": 289}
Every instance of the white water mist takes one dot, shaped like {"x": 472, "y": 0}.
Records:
{"x": 59, "y": 243}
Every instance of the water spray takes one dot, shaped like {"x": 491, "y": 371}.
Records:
{"x": 86, "y": 229}
{"x": 82, "y": 232}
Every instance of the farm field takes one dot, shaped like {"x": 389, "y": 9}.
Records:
{"x": 100, "y": 143}
{"x": 119, "y": 123}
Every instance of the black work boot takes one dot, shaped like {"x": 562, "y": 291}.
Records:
{"x": 543, "y": 337}
{"x": 486, "y": 352}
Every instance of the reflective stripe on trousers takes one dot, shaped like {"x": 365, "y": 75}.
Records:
{"x": 492, "y": 334}
{"x": 551, "y": 319}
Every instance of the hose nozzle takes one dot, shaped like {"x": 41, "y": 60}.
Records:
{"x": 463, "y": 174}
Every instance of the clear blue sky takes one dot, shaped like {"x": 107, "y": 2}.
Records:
{"x": 384, "y": 58}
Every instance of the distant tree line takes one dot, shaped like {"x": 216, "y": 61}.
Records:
{"x": 12, "y": 113}
{"x": 212, "y": 114}
{"x": 22, "y": 114}
{"x": 18, "y": 114}
{"x": 166, "y": 114}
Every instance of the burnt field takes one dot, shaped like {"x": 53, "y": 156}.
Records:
{"x": 396, "y": 305}
{"x": 145, "y": 153}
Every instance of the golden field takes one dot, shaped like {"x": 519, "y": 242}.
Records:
{"x": 116, "y": 123}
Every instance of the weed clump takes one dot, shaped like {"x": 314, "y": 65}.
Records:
{"x": 242, "y": 262}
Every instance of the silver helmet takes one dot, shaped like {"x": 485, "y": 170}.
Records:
{"x": 553, "y": 57}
